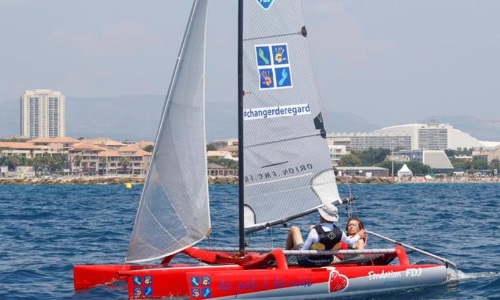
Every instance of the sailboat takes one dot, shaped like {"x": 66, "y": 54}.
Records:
{"x": 284, "y": 172}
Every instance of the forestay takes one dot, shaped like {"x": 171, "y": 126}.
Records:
{"x": 174, "y": 208}
{"x": 286, "y": 158}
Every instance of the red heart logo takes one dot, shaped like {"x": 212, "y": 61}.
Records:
{"x": 338, "y": 282}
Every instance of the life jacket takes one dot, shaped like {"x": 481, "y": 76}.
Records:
{"x": 327, "y": 240}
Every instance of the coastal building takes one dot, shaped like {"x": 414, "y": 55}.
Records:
{"x": 56, "y": 145}
{"x": 219, "y": 144}
{"x": 336, "y": 153}
{"x": 362, "y": 171}
{"x": 431, "y": 136}
{"x": 43, "y": 114}
{"x": 233, "y": 149}
{"x": 367, "y": 140}
{"x": 221, "y": 154}
{"x": 21, "y": 149}
{"x": 106, "y": 156}
{"x": 218, "y": 170}
{"x": 488, "y": 155}
{"x": 91, "y": 156}
{"x": 437, "y": 160}
{"x": 37, "y": 147}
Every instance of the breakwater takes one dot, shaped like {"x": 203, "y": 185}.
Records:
{"x": 73, "y": 180}
{"x": 140, "y": 180}
{"x": 234, "y": 180}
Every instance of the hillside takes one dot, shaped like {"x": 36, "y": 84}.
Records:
{"x": 136, "y": 118}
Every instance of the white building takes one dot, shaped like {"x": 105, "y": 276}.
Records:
{"x": 432, "y": 136}
{"x": 43, "y": 114}
{"x": 436, "y": 159}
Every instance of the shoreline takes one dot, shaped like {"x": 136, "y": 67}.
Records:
{"x": 68, "y": 180}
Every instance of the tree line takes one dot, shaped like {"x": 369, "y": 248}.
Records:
{"x": 40, "y": 163}
{"x": 378, "y": 157}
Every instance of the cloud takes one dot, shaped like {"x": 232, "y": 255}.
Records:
{"x": 121, "y": 38}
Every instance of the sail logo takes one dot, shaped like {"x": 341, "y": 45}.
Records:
{"x": 143, "y": 286}
{"x": 265, "y": 3}
{"x": 273, "y": 65}
{"x": 276, "y": 112}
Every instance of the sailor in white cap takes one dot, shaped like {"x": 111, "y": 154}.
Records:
{"x": 324, "y": 236}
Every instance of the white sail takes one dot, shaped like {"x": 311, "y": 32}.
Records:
{"x": 287, "y": 163}
{"x": 174, "y": 210}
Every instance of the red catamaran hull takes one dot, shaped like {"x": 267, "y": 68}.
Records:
{"x": 249, "y": 278}
{"x": 300, "y": 283}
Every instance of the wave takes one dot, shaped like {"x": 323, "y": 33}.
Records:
{"x": 472, "y": 276}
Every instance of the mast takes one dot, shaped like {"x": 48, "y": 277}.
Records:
{"x": 241, "y": 183}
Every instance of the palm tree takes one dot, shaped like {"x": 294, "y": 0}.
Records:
{"x": 78, "y": 160}
{"x": 124, "y": 162}
{"x": 103, "y": 166}
{"x": 36, "y": 162}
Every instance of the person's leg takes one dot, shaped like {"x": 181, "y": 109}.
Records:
{"x": 294, "y": 238}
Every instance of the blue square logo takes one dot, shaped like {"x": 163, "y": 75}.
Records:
{"x": 137, "y": 280}
{"x": 266, "y": 78}
{"x": 280, "y": 54}
{"x": 263, "y": 55}
{"x": 195, "y": 293}
{"x": 265, "y": 3}
{"x": 207, "y": 292}
{"x": 283, "y": 77}
{"x": 195, "y": 281}
{"x": 274, "y": 66}
{"x": 205, "y": 280}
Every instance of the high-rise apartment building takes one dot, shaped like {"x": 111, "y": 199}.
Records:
{"x": 43, "y": 114}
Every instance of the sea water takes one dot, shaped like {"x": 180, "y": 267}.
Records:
{"x": 47, "y": 229}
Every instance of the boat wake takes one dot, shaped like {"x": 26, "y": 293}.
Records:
{"x": 470, "y": 276}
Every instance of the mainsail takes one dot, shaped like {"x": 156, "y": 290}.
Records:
{"x": 174, "y": 210}
{"x": 287, "y": 164}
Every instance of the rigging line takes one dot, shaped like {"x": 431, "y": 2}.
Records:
{"x": 305, "y": 252}
{"x": 414, "y": 248}
{"x": 285, "y": 140}
{"x": 272, "y": 36}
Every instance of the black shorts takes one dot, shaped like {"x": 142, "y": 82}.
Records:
{"x": 312, "y": 261}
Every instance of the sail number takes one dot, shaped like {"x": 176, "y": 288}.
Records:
{"x": 275, "y": 174}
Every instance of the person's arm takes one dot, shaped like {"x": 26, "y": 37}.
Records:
{"x": 360, "y": 244}
{"x": 353, "y": 240}
{"x": 312, "y": 238}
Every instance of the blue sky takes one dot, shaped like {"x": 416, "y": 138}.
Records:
{"x": 390, "y": 62}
